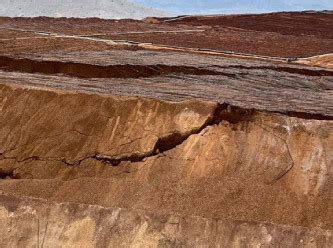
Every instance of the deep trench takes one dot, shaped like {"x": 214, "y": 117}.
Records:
{"x": 83, "y": 70}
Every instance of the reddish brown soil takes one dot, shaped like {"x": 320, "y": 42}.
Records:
{"x": 279, "y": 34}
{"x": 84, "y": 123}
{"x": 244, "y": 41}
{"x": 297, "y": 24}
{"x": 45, "y": 44}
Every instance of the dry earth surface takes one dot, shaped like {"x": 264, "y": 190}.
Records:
{"x": 136, "y": 134}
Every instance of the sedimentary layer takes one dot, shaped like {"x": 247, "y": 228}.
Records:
{"x": 193, "y": 157}
{"x": 107, "y": 143}
{"x": 33, "y": 222}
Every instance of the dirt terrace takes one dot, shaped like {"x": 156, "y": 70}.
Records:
{"x": 176, "y": 77}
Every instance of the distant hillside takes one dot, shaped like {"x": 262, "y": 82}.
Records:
{"x": 109, "y": 9}
{"x": 235, "y": 6}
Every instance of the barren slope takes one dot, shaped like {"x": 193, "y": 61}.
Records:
{"x": 277, "y": 34}
{"x": 111, "y": 147}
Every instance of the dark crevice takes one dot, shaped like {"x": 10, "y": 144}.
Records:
{"x": 133, "y": 158}
{"x": 307, "y": 116}
{"x": 98, "y": 71}
{"x": 169, "y": 142}
{"x": 8, "y": 174}
{"x": 292, "y": 70}
{"x": 223, "y": 112}
{"x": 237, "y": 114}
{"x": 232, "y": 114}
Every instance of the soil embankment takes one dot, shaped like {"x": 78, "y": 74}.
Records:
{"x": 103, "y": 144}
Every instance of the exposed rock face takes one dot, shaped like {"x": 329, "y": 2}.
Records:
{"x": 163, "y": 149}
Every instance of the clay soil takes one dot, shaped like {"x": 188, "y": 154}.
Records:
{"x": 280, "y": 34}
{"x": 227, "y": 149}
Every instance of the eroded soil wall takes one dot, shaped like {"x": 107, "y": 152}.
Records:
{"x": 192, "y": 158}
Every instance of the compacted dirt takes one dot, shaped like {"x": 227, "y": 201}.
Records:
{"x": 106, "y": 142}
{"x": 280, "y": 34}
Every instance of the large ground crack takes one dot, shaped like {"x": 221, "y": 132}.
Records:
{"x": 222, "y": 112}
{"x": 98, "y": 71}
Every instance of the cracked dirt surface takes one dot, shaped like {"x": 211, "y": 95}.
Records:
{"x": 125, "y": 148}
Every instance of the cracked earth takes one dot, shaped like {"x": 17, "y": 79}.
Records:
{"x": 106, "y": 145}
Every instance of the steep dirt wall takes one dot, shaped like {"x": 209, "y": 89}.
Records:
{"x": 36, "y": 223}
{"x": 193, "y": 158}
{"x": 74, "y": 127}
